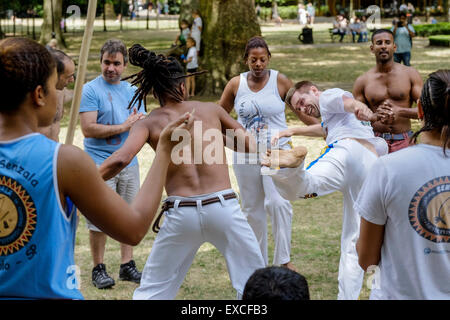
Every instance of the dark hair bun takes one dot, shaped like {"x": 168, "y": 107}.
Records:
{"x": 139, "y": 55}
{"x": 149, "y": 61}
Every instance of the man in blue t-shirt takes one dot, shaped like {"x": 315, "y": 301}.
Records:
{"x": 403, "y": 34}
{"x": 105, "y": 121}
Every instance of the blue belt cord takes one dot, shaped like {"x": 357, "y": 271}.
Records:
{"x": 324, "y": 151}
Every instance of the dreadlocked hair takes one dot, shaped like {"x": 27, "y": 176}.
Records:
{"x": 435, "y": 101}
{"x": 160, "y": 74}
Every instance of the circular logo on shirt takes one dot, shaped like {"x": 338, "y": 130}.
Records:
{"x": 17, "y": 216}
{"x": 429, "y": 210}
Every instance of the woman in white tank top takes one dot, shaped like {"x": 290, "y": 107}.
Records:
{"x": 258, "y": 98}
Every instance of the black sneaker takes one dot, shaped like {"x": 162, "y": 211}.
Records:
{"x": 100, "y": 278}
{"x": 129, "y": 272}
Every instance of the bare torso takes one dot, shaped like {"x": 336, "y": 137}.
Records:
{"x": 197, "y": 176}
{"x": 399, "y": 87}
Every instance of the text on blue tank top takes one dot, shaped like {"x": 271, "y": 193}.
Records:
{"x": 37, "y": 237}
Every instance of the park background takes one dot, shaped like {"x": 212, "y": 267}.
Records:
{"x": 316, "y": 222}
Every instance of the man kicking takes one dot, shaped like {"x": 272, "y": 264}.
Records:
{"x": 389, "y": 89}
{"x": 201, "y": 206}
{"x": 352, "y": 148}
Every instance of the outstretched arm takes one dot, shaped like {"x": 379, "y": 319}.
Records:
{"x": 314, "y": 130}
{"x": 137, "y": 137}
{"x": 79, "y": 179}
{"x": 235, "y": 136}
{"x": 361, "y": 110}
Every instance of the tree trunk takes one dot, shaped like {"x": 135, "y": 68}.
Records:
{"x": 447, "y": 9}
{"x": 332, "y": 7}
{"x": 51, "y": 24}
{"x": 227, "y": 26}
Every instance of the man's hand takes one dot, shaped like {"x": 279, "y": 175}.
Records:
{"x": 388, "y": 112}
{"x": 363, "y": 113}
{"x": 132, "y": 118}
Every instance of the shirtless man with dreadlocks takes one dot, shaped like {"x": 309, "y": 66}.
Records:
{"x": 201, "y": 206}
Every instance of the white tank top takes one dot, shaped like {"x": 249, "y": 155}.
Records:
{"x": 261, "y": 110}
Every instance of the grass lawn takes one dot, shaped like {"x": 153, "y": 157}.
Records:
{"x": 317, "y": 222}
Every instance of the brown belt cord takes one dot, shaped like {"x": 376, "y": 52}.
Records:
{"x": 169, "y": 205}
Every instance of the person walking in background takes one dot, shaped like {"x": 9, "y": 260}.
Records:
{"x": 311, "y": 10}
{"x": 166, "y": 8}
{"x": 302, "y": 14}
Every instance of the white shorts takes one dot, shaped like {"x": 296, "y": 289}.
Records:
{"x": 126, "y": 184}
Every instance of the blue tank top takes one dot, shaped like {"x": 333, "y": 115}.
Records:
{"x": 37, "y": 236}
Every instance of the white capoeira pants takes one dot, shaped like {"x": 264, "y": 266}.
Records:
{"x": 259, "y": 198}
{"x": 182, "y": 233}
{"x": 342, "y": 167}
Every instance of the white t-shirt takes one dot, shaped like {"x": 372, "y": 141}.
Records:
{"x": 302, "y": 15}
{"x": 192, "y": 53}
{"x": 195, "y": 29}
{"x": 408, "y": 191}
{"x": 339, "y": 124}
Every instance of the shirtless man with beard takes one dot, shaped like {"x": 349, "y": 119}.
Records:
{"x": 389, "y": 89}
